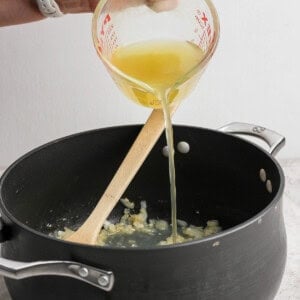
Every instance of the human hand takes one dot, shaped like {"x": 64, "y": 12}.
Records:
{"x": 162, "y": 5}
{"x": 14, "y": 12}
{"x": 156, "y": 5}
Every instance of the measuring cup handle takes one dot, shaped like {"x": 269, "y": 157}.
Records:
{"x": 272, "y": 138}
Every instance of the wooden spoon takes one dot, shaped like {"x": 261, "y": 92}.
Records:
{"x": 145, "y": 141}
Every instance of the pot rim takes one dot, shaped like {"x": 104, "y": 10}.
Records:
{"x": 277, "y": 197}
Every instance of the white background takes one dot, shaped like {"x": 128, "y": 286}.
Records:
{"x": 52, "y": 83}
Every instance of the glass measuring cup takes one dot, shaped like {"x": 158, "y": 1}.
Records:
{"x": 118, "y": 23}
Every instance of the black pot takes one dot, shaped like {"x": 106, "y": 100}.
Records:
{"x": 223, "y": 177}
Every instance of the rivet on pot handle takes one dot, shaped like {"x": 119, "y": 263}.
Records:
{"x": 272, "y": 138}
{"x": 18, "y": 270}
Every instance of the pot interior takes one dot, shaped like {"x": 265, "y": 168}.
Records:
{"x": 58, "y": 184}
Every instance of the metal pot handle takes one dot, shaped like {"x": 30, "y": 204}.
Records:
{"x": 18, "y": 270}
{"x": 272, "y": 138}
{"x": 99, "y": 278}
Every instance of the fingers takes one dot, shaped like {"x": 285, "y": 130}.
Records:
{"x": 162, "y": 5}
{"x": 93, "y": 4}
{"x": 156, "y": 5}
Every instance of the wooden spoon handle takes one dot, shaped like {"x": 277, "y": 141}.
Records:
{"x": 145, "y": 141}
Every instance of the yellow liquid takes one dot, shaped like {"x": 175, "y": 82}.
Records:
{"x": 163, "y": 66}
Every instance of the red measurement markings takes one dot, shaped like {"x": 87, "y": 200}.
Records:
{"x": 204, "y": 18}
{"x": 205, "y": 28}
{"x": 105, "y": 21}
{"x": 103, "y": 32}
{"x": 201, "y": 18}
{"x": 208, "y": 30}
{"x": 108, "y": 39}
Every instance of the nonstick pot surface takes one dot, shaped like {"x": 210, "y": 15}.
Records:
{"x": 58, "y": 184}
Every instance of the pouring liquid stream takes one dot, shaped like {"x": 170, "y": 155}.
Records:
{"x": 160, "y": 64}
{"x": 172, "y": 173}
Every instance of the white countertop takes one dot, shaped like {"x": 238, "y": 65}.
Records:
{"x": 290, "y": 286}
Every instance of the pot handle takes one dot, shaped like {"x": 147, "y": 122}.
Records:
{"x": 18, "y": 270}
{"x": 99, "y": 278}
{"x": 272, "y": 138}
